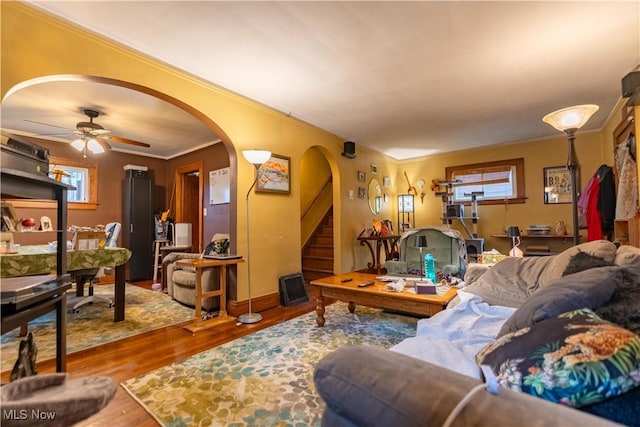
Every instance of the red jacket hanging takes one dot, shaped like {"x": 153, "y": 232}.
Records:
{"x": 594, "y": 224}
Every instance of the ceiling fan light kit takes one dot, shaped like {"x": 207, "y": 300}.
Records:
{"x": 92, "y": 136}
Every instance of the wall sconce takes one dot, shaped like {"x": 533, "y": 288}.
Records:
{"x": 420, "y": 185}
{"x": 569, "y": 120}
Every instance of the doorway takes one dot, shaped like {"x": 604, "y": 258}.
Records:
{"x": 189, "y": 195}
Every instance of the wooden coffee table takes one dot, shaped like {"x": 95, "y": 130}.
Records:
{"x": 376, "y": 295}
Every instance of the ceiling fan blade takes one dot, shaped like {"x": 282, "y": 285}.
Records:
{"x": 127, "y": 141}
{"x": 103, "y": 143}
{"x": 46, "y": 124}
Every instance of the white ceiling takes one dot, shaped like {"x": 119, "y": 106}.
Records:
{"x": 405, "y": 78}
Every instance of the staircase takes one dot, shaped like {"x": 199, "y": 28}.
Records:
{"x": 317, "y": 254}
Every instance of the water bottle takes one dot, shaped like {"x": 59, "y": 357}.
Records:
{"x": 430, "y": 267}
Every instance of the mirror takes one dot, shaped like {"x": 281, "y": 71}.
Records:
{"x": 375, "y": 196}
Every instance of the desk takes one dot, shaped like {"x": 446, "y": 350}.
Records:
{"x": 27, "y": 298}
{"x": 388, "y": 242}
{"x": 38, "y": 259}
{"x": 200, "y": 264}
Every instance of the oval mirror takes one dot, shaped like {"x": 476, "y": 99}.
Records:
{"x": 375, "y": 197}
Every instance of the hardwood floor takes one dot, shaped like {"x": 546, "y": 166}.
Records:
{"x": 137, "y": 355}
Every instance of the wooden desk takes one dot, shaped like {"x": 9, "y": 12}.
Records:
{"x": 27, "y": 298}
{"x": 388, "y": 242}
{"x": 200, "y": 264}
{"x": 375, "y": 295}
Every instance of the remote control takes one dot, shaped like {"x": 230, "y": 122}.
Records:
{"x": 346, "y": 280}
{"x": 364, "y": 284}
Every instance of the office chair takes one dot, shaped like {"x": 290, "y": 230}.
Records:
{"x": 112, "y": 231}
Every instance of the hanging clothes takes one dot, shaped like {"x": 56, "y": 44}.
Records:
{"x": 600, "y": 196}
{"x": 627, "y": 199}
{"x": 594, "y": 225}
{"x": 607, "y": 200}
{"x": 583, "y": 202}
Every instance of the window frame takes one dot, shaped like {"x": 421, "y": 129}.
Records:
{"x": 91, "y": 204}
{"x": 517, "y": 163}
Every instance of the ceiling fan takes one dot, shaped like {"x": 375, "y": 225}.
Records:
{"x": 93, "y": 136}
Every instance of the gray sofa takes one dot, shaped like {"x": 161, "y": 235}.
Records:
{"x": 367, "y": 386}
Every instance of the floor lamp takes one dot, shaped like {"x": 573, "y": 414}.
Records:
{"x": 257, "y": 157}
{"x": 569, "y": 120}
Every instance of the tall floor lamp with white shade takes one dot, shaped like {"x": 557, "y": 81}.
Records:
{"x": 257, "y": 158}
{"x": 569, "y": 120}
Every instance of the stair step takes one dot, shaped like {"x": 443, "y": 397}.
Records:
{"x": 323, "y": 240}
{"x": 314, "y": 274}
{"x": 327, "y": 230}
{"x": 319, "y": 250}
{"x": 317, "y": 262}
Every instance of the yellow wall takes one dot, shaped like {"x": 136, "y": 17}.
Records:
{"x": 51, "y": 47}
{"x": 537, "y": 155}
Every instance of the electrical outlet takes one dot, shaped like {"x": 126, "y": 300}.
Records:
{"x": 204, "y": 211}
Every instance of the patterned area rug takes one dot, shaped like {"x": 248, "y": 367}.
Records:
{"x": 145, "y": 310}
{"x": 265, "y": 378}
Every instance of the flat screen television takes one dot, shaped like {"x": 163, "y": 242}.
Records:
{"x": 292, "y": 290}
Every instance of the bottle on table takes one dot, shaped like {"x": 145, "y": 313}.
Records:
{"x": 430, "y": 267}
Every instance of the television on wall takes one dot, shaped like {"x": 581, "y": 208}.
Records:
{"x": 292, "y": 290}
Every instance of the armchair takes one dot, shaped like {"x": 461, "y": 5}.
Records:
{"x": 180, "y": 281}
{"x": 447, "y": 246}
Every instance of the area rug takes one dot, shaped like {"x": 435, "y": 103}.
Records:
{"x": 145, "y": 310}
{"x": 265, "y": 378}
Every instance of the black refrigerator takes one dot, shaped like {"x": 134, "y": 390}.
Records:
{"x": 138, "y": 223}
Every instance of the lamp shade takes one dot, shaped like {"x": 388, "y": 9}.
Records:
{"x": 257, "y": 157}
{"x": 513, "y": 231}
{"x": 405, "y": 203}
{"x": 94, "y": 146}
{"x": 78, "y": 144}
{"x": 571, "y": 117}
{"x": 421, "y": 241}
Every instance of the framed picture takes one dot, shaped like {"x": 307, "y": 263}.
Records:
{"x": 274, "y": 176}
{"x": 557, "y": 185}
{"x": 386, "y": 181}
{"x": 362, "y": 176}
{"x": 362, "y": 192}
{"x": 374, "y": 169}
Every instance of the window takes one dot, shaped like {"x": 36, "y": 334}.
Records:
{"x": 82, "y": 174}
{"x": 499, "y": 181}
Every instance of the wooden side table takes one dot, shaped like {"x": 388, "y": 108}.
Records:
{"x": 388, "y": 242}
{"x": 200, "y": 264}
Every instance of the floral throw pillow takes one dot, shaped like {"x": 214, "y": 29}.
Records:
{"x": 575, "y": 359}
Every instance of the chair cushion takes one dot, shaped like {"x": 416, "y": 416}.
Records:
{"x": 184, "y": 278}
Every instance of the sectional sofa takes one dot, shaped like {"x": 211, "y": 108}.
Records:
{"x": 557, "y": 334}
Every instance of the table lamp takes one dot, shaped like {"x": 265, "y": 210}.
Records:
{"x": 421, "y": 243}
{"x": 514, "y": 233}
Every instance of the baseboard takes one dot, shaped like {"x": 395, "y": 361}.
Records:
{"x": 258, "y": 304}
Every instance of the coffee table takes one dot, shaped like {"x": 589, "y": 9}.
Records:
{"x": 376, "y": 295}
